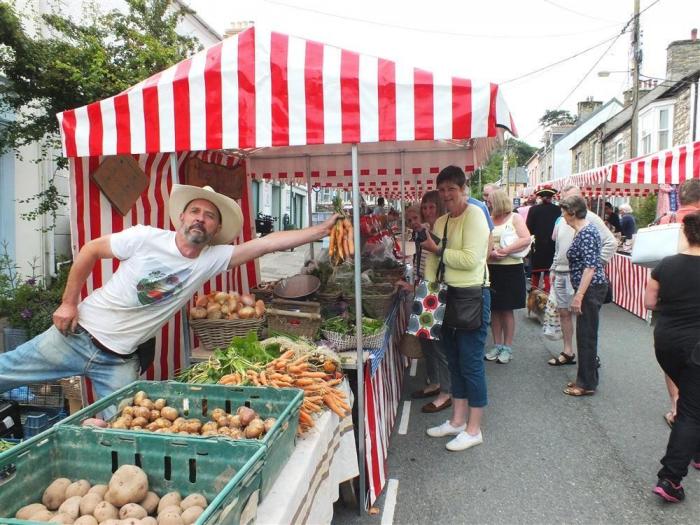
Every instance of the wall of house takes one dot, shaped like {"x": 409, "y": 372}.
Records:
{"x": 682, "y": 117}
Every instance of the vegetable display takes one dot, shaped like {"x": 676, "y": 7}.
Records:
{"x": 222, "y": 305}
{"x": 5, "y": 445}
{"x": 156, "y": 416}
{"x": 124, "y": 500}
{"x": 341, "y": 325}
{"x": 341, "y": 244}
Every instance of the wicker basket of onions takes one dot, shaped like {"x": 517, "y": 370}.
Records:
{"x": 218, "y": 317}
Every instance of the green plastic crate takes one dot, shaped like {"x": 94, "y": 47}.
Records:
{"x": 195, "y": 400}
{"x": 227, "y": 473}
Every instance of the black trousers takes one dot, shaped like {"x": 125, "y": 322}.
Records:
{"x": 587, "y": 336}
{"x": 681, "y": 363}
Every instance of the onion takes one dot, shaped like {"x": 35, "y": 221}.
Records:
{"x": 202, "y": 301}
{"x": 247, "y": 312}
{"x": 248, "y": 300}
{"x": 221, "y": 297}
{"x": 198, "y": 312}
{"x": 214, "y": 307}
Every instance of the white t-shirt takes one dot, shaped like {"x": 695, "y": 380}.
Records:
{"x": 154, "y": 280}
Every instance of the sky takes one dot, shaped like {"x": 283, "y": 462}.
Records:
{"x": 494, "y": 40}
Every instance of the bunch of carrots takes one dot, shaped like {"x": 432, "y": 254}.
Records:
{"x": 342, "y": 245}
{"x": 291, "y": 370}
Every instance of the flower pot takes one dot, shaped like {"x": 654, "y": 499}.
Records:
{"x": 13, "y": 337}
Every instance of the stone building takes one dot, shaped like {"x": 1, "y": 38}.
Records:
{"x": 668, "y": 113}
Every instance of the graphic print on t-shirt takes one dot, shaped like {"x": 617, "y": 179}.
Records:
{"x": 158, "y": 286}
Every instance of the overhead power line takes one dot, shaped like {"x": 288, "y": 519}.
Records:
{"x": 433, "y": 31}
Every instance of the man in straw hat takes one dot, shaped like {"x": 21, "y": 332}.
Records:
{"x": 159, "y": 271}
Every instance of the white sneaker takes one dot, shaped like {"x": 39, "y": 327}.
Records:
{"x": 445, "y": 430}
{"x": 492, "y": 354}
{"x": 463, "y": 441}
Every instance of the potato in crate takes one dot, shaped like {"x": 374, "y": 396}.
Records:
{"x": 197, "y": 410}
{"x": 61, "y": 469}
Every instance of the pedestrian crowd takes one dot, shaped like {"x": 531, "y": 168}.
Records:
{"x": 479, "y": 250}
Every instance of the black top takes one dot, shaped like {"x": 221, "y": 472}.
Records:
{"x": 540, "y": 222}
{"x": 614, "y": 221}
{"x": 678, "y": 304}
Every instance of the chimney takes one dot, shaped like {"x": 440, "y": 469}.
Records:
{"x": 238, "y": 27}
{"x": 683, "y": 57}
{"x": 587, "y": 107}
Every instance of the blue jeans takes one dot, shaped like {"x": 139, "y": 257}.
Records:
{"x": 51, "y": 356}
{"x": 465, "y": 356}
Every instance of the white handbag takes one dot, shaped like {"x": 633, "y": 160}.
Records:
{"x": 656, "y": 242}
{"x": 508, "y": 237}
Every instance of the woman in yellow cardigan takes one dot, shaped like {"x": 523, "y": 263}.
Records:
{"x": 464, "y": 256}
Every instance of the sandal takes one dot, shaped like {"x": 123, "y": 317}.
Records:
{"x": 577, "y": 391}
{"x": 562, "y": 359}
{"x": 669, "y": 418}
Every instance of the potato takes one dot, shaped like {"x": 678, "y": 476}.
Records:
{"x": 224, "y": 431}
{"x": 210, "y": 426}
{"x": 89, "y": 502}
{"x": 236, "y": 433}
{"x": 147, "y": 403}
{"x": 139, "y": 422}
{"x": 111, "y": 521}
{"x": 194, "y": 499}
{"x": 171, "y": 498}
{"x": 170, "y": 508}
{"x": 98, "y": 489}
{"x": 235, "y": 421}
{"x": 129, "y": 484}
{"x": 78, "y": 488}
{"x": 71, "y": 507}
{"x": 130, "y": 521}
{"x": 127, "y": 420}
{"x": 94, "y": 422}
{"x": 132, "y": 510}
{"x": 269, "y": 423}
{"x": 85, "y": 520}
{"x": 142, "y": 412}
{"x": 159, "y": 403}
{"x": 170, "y": 518}
{"x": 119, "y": 423}
{"x": 255, "y": 429}
{"x": 42, "y": 515}
{"x": 26, "y": 512}
{"x": 62, "y": 517}
{"x": 150, "y": 502}
{"x": 154, "y": 414}
{"x": 149, "y": 520}
{"x": 217, "y": 413}
{"x": 152, "y": 426}
{"x": 163, "y": 423}
{"x": 105, "y": 511}
{"x": 194, "y": 426}
{"x": 128, "y": 411}
{"x": 139, "y": 396}
{"x": 55, "y": 493}
{"x": 190, "y": 515}
{"x": 246, "y": 414}
{"x": 169, "y": 413}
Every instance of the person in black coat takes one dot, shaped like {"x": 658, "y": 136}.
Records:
{"x": 540, "y": 222}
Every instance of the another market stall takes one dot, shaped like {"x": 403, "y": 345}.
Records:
{"x": 636, "y": 177}
{"x": 278, "y": 107}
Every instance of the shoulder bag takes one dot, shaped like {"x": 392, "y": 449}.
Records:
{"x": 465, "y": 306}
{"x": 428, "y": 309}
{"x": 656, "y": 242}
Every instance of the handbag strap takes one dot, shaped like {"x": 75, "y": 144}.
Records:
{"x": 441, "y": 265}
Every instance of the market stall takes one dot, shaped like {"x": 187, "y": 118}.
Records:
{"x": 638, "y": 177}
{"x": 283, "y": 108}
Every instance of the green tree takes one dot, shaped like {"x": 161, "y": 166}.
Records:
{"x": 518, "y": 154}
{"x": 556, "y": 117}
{"x": 73, "y": 63}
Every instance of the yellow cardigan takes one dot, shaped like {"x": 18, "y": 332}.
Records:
{"x": 467, "y": 249}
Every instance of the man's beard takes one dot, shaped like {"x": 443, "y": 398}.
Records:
{"x": 199, "y": 236}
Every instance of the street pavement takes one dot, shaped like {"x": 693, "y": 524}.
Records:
{"x": 546, "y": 457}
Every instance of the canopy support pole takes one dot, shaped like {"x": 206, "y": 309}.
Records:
{"x": 403, "y": 207}
{"x": 358, "y": 329}
{"x": 601, "y": 204}
{"x": 309, "y": 192}
{"x": 174, "y": 175}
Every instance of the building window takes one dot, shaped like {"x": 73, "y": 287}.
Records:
{"x": 655, "y": 125}
{"x": 578, "y": 161}
{"x": 620, "y": 150}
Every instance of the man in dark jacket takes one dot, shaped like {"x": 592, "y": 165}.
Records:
{"x": 540, "y": 222}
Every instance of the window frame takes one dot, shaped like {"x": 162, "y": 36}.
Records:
{"x": 652, "y": 113}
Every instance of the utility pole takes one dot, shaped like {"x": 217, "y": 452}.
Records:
{"x": 636, "y": 61}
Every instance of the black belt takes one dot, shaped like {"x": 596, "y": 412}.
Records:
{"x": 102, "y": 347}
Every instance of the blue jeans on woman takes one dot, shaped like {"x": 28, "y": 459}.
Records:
{"x": 465, "y": 356}
{"x": 51, "y": 356}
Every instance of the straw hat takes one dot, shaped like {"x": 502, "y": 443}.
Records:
{"x": 231, "y": 214}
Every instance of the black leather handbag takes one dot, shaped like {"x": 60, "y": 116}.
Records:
{"x": 465, "y": 307}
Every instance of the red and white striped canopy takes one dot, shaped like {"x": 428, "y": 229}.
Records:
{"x": 639, "y": 176}
{"x": 262, "y": 89}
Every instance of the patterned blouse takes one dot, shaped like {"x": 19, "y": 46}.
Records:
{"x": 583, "y": 253}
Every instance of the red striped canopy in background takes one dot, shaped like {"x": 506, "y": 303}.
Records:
{"x": 640, "y": 176}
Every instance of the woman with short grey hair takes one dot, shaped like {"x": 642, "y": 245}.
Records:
{"x": 591, "y": 286}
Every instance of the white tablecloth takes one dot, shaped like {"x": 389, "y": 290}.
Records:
{"x": 308, "y": 484}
